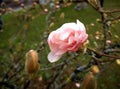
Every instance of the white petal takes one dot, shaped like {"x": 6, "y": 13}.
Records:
{"x": 53, "y": 58}
{"x": 81, "y": 26}
{"x": 72, "y": 26}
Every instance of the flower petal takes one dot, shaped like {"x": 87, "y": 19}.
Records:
{"x": 52, "y": 57}
{"x": 69, "y": 26}
{"x": 81, "y": 26}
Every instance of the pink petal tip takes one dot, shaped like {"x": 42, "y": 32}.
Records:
{"x": 52, "y": 57}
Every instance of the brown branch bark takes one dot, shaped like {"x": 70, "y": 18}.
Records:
{"x": 102, "y": 54}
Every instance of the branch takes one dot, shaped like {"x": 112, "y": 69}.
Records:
{"x": 53, "y": 67}
{"x": 101, "y": 61}
{"x": 79, "y": 69}
{"x": 6, "y": 84}
{"x": 102, "y": 54}
{"x": 111, "y": 11}
{"x": 112, "y": 19}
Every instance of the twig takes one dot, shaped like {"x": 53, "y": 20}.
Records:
{"x": 6, "y": 84}
{"x": 50, "y": 68}
{"x": 111, "y": 11}
{"x": 56, "y": 75}
{"x": 102, "y": 54}
{"x": 112, "y": 19}
{"x": 78, "y": 70}
{"x": 101, "y": 61}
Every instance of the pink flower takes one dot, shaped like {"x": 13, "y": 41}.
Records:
{"x": 68, "y": 38}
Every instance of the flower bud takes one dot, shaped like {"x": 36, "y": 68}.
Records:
{"x": 98, "y": 20}
{"x": 97, "y": 33}
{"x": 77, "y": 85}
{"x": 108, "y": 42}
{"x": 51, "y": 24}
{"x": 57, "y": 6}
{"x": 31, "y": 64}
{"x": 89, "y": 82}
{"x": 62, "y": 15}
{"x": 84, "y": 46}
{"x": 45, "y": 10}
{"x": 118, "y": 61}
{"x": 34, "y": 3}
{"x": 16, "y": 1}
{"x": 92, "y": 24}
{"x": 95, "y": 69}
{"x": 22, "y": 5}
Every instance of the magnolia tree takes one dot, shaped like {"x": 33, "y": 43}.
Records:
{"x": 66, "y": 44}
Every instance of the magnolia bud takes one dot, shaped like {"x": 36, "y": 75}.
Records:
{"x": 98, "y": 20}
{"x": 118, "y": 61}
{"x": 34, "y": 3}
{"x": 77, "y": 85}
{"x": 10, "y": 10}
{"x": 95, "y": 69}
{"x": 62, "y": 15}
{"x": 16, "y": 1}
{"x": 22, "y": 5}
{"x": 31, "y": 64}
{"x": 51, "y": 24}
{"x": 97, "y": 33}
{"x": 108, "y": 42}
{"x": 85, "y": 46}
{"x": 89, "y": 82}
{"x": 92, "y": 24}
{"x": 57, "y": 6}
{"x": 45, "y": 10}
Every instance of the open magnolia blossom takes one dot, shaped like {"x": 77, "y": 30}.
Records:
{"x": 68, "y": 38}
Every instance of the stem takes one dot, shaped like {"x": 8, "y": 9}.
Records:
{"x": 104, "y": 29}
{"x": 102, "y": 54}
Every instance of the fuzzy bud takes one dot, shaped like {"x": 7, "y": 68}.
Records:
{"x": 46, "y": 10}
{"x": 31, "y": 64}
{"x": 89, "y": 82}
{"x": 118, "y": 61}
{"x": 95, "y": 69}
